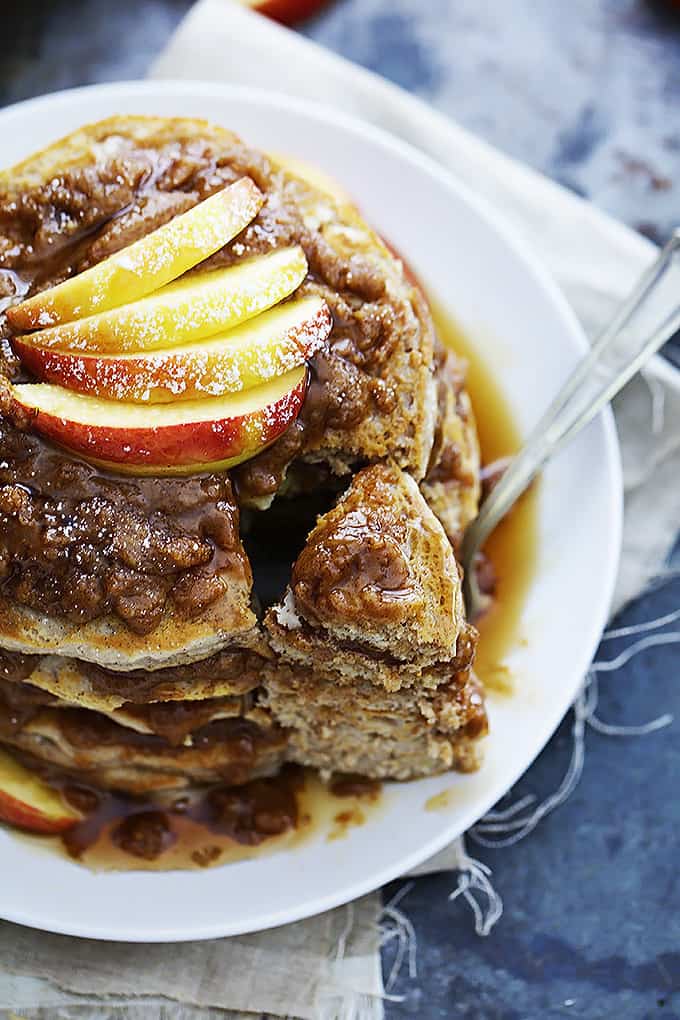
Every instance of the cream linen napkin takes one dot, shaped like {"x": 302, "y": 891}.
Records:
{"x": 329, "y": 966}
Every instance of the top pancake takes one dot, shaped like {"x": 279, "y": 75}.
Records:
{"x": 66, "y": 588}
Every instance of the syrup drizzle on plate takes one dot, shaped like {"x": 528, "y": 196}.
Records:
{"x": 512, "y": 548}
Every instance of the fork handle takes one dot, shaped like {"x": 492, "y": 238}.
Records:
{"x": 649, "y": 317}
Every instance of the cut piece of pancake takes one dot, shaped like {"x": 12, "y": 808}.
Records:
{"x": 359, "y": 727}
{"x": 376, "y": 581}
{"x": 231, "y": 672}
{"x": 295, "y": 641}
{"x": 379, "y": 654}
{"x": 451, "y": 486}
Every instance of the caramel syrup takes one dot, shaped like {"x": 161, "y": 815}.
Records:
{"x": 512, "y": 547}
{"x": 204, "y": 827}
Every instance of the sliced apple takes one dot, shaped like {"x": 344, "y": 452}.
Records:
{"x": 148, "y": 264}
{"x": 178, "y": 438}
{"x": 270, "y": 344}
{"x": 27, "y": 802}
{"x": 190, "y": 309}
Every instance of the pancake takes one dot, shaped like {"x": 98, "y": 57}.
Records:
{"x": 128, "y": 612}
{"x": 230, "y": 752}
{"x": 358, "y": 727}
{"x": 74, "y": 204}
{"x": 142, "y": 749}
{"x": 233, "y": 671}
{"x": 377, "y": 583}
{"x": 174, "y": 721}
{"x": 108, "y": 643}
{"x": 128, "y": 573}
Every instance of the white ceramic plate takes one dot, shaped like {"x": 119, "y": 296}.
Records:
{"x": 522, "y": 325}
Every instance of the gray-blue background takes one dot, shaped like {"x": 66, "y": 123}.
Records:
{"x": 587, "y": 91}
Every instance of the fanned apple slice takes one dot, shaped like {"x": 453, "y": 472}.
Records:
{"x": 27, "y": 802}
{"x": 190, "y": 309}
{"x": 148, "y": 264}
{"x": 248, "y": 355}
{"x": 175, "y": 438}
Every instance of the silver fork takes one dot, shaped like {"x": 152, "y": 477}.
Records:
{"x": 646, "y": 319}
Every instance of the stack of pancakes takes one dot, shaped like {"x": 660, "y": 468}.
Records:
{"x": 135, "y": 653}
{"x": 377, "y": 676}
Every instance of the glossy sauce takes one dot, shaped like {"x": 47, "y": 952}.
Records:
{"x": 193, "y": 828}
{"x": 359, "y": 795}
{"x": 200, "y": 828}
{"x": 512, "y": 548}
{"x": 441, "y": 801}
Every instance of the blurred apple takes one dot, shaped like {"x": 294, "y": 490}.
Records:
{"x": 27, "y": 802}
{"x": 268, "y": 345}
{"x": 148, "y": 264}
{"x": 189, "y": 309}
{"x": 181, "y": 438}
{"x": 287, "y": 12}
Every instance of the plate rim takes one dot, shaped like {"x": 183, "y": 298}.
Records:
{"x": 533, "y": 267}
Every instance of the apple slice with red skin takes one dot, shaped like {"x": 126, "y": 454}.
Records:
{"x": 180, "y": 438}
{"x": 197, "y": 306}
{"x": 27, "y": 802}
{"x": 286, "y": 12}
{"x": 270, "y": 344}
{"x": 150, "y": 263}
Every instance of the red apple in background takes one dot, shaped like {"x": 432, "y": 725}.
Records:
{"x": 27, "y": 802}
{"x": 180, "y": 438}
{"x": 286, "y": 12}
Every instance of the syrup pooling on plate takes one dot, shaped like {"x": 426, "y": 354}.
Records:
{"x": 512, "y": 548}
{"x": 206, "y": 827}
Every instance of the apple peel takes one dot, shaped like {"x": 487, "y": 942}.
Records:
{"x": 27, "y": 802}
{"x": 268, "y": 345}
{"x": 166, "y": 438}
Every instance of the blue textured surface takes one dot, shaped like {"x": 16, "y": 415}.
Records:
{"x": 591, "y": 926}
{"x": 587, "y": 91}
